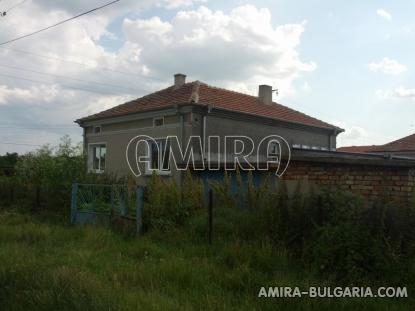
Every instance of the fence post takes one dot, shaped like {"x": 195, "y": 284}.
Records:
{"x": 123, "y": 205}
{"x": 74, "y": 205}
{"x": 112, "y": 200}
{"x": 139, "y": 209}
{"x": 210, "y": 216}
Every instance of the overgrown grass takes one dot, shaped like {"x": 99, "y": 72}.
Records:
{"x": 47, "y": 265}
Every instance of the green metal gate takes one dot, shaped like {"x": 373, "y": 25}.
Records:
{"x": 101, "y": 204}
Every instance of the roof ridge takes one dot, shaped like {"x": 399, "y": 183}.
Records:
{"x": 226, "y": 90}
{"x": 401, "y": 142}
{"x": 198, "y": 92}
{"x": 400, "y": 139}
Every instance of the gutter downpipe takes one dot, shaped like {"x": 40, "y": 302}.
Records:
{"x": 181, "y": 138}
{"x": 335, "y": 133}
{"x": 204, "y": 129}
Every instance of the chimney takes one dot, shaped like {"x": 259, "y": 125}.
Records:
{"x": 265, "y": 94}
{"x": 179, "y": 80}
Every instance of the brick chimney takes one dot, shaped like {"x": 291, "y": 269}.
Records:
{"x": 179, "y": 80}
{"x": 265, "y": 94}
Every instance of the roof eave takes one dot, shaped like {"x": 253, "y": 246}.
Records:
{"x": 337, "y": 130}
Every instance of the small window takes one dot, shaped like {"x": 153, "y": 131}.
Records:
{"x": 273, "y": 149}
{"x": 159, "y": 154}
{"x": 97, "y": 129}
{"x": 158, "y": 121}
{"x": 99, "y": 153}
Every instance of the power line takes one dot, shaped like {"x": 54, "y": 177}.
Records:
{"x": 57, "y": 24}
{"x": 15, "y": 6}
{"x": 19, "y": 144}
{"x": 38, "y": 128}
{"x": 82, "y": 64}
{"x": 70, "y": 78}
{"x": 53, "y": 83}
{"x": 30, "y": 129}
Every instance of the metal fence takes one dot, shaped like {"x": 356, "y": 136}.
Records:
{"x": 104, "y": 204}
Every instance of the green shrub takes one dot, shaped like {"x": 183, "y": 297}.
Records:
{"x": 167, "y": 204}
{"x": 223, "y": 193}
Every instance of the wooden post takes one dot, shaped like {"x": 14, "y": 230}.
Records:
{"x": 74, "y": 205}
{"x": 139, "y": 209}
{"x": 210, "y": 216}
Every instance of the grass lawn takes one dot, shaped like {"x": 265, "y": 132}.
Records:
{"x": 46, "y": 265}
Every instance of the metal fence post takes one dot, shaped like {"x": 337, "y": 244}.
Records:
{"x": 139, "y": 207}
{"x": 74, "y": 199}
{"x": 210, "y": 216}
{"x": 112, "y": 201}
{"x": 123, "y": 205}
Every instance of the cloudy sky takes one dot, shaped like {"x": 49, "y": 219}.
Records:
{"x": 350, "y": 63}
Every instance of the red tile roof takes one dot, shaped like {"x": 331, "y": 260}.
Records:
{"x": 202, "y": 94}
{"x": 356, "y": 149}
{"x": 404, "y": 144}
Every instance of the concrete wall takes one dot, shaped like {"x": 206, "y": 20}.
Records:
{"x": 216, "y": 125}
{"x": 323, "y": 168}
{"x": 186, "y": 121}
{"x": 117, "y": 135}
{"x": 222, "y": 123}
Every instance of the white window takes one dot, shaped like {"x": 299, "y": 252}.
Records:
{"x": 158, "y": 122}
{"x": 98, "y": 154}
{"x": 159, "y": 154}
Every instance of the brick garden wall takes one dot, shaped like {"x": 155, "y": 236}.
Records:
{"x": 369, "y": 180}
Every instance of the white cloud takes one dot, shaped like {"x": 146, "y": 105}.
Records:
{"x": 383, "y": 94}
{"x": 117, "y": 9}
{"x": 306, "y": 87}
{"x": 400, "y": 92}
{"x": 384, "y": 14}
{"x": 403, "y": 92}
{"x": 30, "y": 95}
{"x": 238, "y": 50}
{"x": 358, "y": 136}
{"x": 353, "y": 136}
{"x": 388, "y": 66}
{"x": 174, "y": 4}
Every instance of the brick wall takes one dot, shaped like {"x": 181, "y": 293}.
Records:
{"x": 369, "y": 180}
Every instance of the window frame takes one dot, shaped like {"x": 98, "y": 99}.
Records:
{"x": 96, "y": 127}
{"x": 156, "y": 119}
{"x": 91, "y": 154}
{"x": 158, "y": 171}
{"x": 271, "y": 144}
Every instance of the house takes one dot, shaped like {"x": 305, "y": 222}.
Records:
{"x": 195, "y": 109}
{"x": 403, "y": 147}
